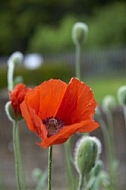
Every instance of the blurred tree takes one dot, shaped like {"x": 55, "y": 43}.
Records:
{"x": 19, "y": 19}
{"x": 107, "y": 28}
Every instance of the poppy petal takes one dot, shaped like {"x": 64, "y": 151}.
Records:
{"x": 17, "y": 97}
{"x": 46, "y": 97}
{"x": 33, "y": 121}
{"x": 32, "y": 99}
{"x": 73, "y": 105}
{"x": 78, "y": 102}
{"x": 67, "y": 131}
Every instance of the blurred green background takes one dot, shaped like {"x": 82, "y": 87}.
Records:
{"x": 44, "y": 27}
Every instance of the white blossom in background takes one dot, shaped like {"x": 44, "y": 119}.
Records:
{"x": 33, "y": 61}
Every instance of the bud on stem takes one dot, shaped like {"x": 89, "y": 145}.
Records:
{"x": 15, "y": 59}
{"x": 79, "y": 33}
{"x": 86, "y": 153}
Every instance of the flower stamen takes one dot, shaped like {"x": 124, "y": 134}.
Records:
{"x": 53, "y": 125}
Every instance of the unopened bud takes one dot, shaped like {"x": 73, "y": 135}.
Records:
{"x": 108, "y": 103}
{"x": 86, "y": 153}
{"x": 98, "y": 167}
{"x": 10, "y": 112}
{"x": 79, "y": 33}
{"x": 16, "y": 58}
{"x": 121, "y": 94}
{"x": 37, "y": 173}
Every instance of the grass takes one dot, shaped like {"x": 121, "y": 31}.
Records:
{"x": 102, "y": 86}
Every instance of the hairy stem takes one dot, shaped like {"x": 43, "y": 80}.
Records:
{"x": 50, "y": 168}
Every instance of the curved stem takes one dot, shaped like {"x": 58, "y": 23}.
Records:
{"x": 50, "y": 168}
{"x": 10, "y": 75}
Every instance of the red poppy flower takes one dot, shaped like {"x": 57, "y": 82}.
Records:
{"x": 17, "y": 97}
{"x": 55, "y": 110}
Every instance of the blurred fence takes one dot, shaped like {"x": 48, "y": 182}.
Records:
{"x": 93, "y": 63}
{"x": 104, "y": 62}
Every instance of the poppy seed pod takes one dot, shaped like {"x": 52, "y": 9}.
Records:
{"x": 79, "y": 33}
{"x": 108, "y": 103}
{"x": 121, "y": 94}
{"x": 86, "y": 153}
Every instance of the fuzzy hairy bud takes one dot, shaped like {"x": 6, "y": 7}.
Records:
{"x": 86, "y": 153}
{"x": 79, "y": 33}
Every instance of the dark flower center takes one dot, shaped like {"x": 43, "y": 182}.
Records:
{"x": 53, "y": 125}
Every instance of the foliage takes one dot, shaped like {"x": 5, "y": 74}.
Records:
{"x": 21, "y": 21}
{"x": 18, "y": 20}
{"x": 108, "y": 27}
{"x": 53, "y": 39}
{"x": 47, "y": 71}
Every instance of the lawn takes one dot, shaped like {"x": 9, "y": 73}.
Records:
{"x": 104, "y": 86}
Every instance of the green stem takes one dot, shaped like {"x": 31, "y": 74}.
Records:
{"x": 81, "y": 182}
{"x": 110, "y": 150}
{"x": 107, "y": 140}
{"x": 69, "y": 167}
{"x": 50, "y": 168}
{"x": 124, "y": 112}
{"x": 17, "y": 164}
{"x": 77, "y": 64}
{"x": 110, "y": 127}
{"x": 20, "y": 177}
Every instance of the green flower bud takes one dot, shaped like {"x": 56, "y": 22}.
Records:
{"x": 86, "y": 153}
{"x": 79, "y": 33}
{"x": 98, "y": 167}
{"x": 10, "y": 112}
{"x": 108, "y": 103}
{"x": 16, "y": 58}
{"x": 121, "y": 94}
{"x": 37, "y": 173}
